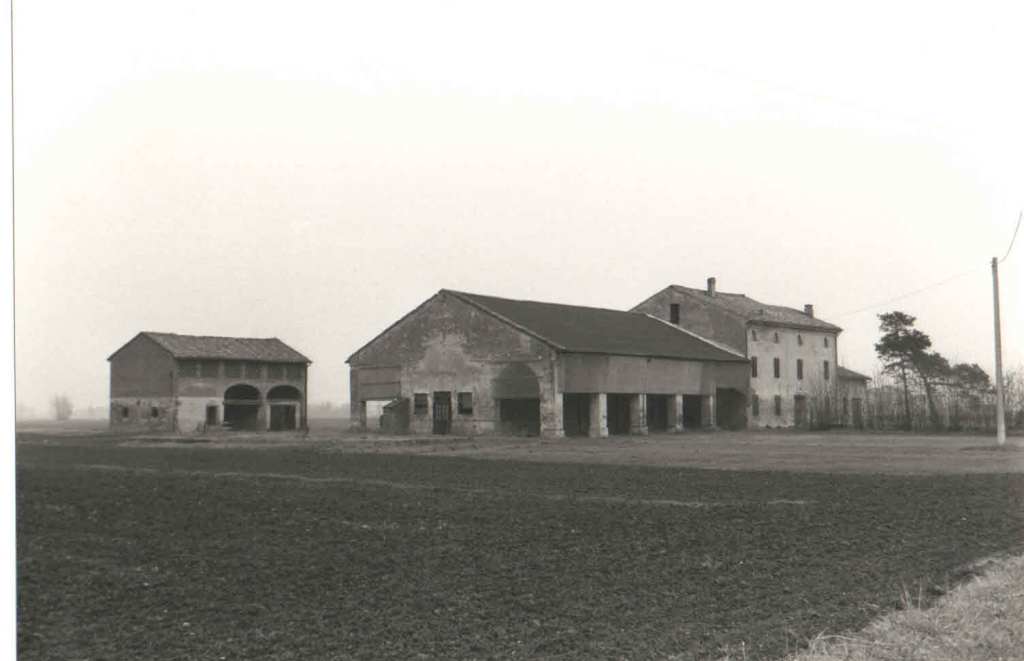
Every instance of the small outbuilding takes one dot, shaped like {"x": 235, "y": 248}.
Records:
{"x": 465, "y": 363}
{"x": 186, "y": 383}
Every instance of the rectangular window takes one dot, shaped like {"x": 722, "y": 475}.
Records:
{"x": 755, "y": 405}
{"x": 799, "y": 368}
{"x": 826, "y": 340}
{"x": 154, "y": 412}
{"x": 778, "y": 404}
{"x": 753, "y": 334}
{"x": 209, "y": 368}
{"x": 294, "y": 372}
{"x": 753, "y": 367}
{"x": 232, "y": 369}
{"x": 188, "y": 368}
{"x": 776, "y": 367}
{"x": 673, "y": 313}
{"x": 252, "y": 370}
{"x": 826, "y": 370}
{"x": 275, "y": 371}
{"x": 799, "y": 339}
{"x": 125, "y": 412}
{"x": 420, "y": 404}
{"x": 465, "y": 403}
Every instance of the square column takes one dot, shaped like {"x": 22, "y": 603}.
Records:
{"x": 677, "y": 423}
{"x": 638, "y": 414}
{"x": 708, "y": 411}
{"x": 552, "y": 423}
{"x": 598, "y": 415}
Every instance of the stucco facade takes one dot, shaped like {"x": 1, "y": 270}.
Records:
{"x": 801, "y": 390}
{"x": 154, "y": 389}
{"x": 452, "y": 351}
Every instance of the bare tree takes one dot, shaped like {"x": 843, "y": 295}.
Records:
{"x": 62, "y": 407}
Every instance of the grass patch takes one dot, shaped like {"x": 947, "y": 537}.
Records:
{"x": 982, "y": 620}
{"x": 301, "y": 554}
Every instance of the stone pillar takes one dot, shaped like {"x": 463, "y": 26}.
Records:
{"x": 361, "y": 420}
{"x": 220, "y": 413}
{"x": 708, "y": 413}
{"x": 551, "y": 418}
{"x": 638, "y": 414}
{"x": 264, "y": 416}
{"x": 677, "y": 424}
{"x": 598, "y": 415}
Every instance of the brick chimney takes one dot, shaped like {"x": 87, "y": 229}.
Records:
{"x": 711, "y": 286}
{"x": 808, "y": 309}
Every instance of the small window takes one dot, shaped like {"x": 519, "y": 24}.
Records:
{"x": 465, "y": 403}
{"x": 755, "y": 405}
{"x": 232, "y": 369}
{"x": 275, "y": 371}
{"x": 419, "y": 403}
{"x": 799, "y": 339}
{"x": 154, "y": 412}
{"x": 753, "y": 367}
{"x": 125, "y": 412}
{"x": 826, "y": 370}
{"x": 778, "y": 404}
{"x": 799, "y": 368}
{"x": 826, "y": 340}
{"x": 252, "y": 370}
{"x": 209, "y": 368}
{"x": 188, "y": 368}
{"x": 753, "y": 334}
{"x": 776, "y": 367}
{"x": 776, "y": 338}
{"x": 673, "y": 313}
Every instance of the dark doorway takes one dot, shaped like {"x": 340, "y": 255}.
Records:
{"x": 858, "y": 414}
{"x": 657, "y": 412}
{"x": 242, "y": 407}
{"x": 732, "y": 408}
{"x": 618, "y": 414}
{"x": 520, "y": 417}
{"x": 282, "y": 417}
{"x": 576, "y": 413}
{"x": 691, "y": 411}
{"x": 442, "y": 412}
{"x": 800, "y": 411}
{"x": 211, "y": 415}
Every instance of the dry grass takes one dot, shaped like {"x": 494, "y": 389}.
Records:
{"x": 982, "y": 619}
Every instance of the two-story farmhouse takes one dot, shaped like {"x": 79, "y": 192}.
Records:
{"x": 793, "y": 355}
{"x": 169, "y": 382}
{"x": 466, "y": 364}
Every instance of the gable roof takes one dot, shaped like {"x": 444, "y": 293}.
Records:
{"x": 270, "y": 350}
{"x": 844, "y": 373}
{"x": 578, "y": 329}
{"x": 755, "y": 311}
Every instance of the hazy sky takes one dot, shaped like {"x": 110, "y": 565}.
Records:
{"x": 312, "y": 171}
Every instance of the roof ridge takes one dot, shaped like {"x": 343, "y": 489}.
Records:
{"x": 714, "y": 343}
{"x": 530, "y": 300}
{"x": 210, "y": 337}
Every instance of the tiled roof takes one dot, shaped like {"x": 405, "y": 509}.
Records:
{"x": 844, "y": 373}
{"x": 578, "y": 329}
{"x": 756, "y": 311}
{"x": 269, "y": 349}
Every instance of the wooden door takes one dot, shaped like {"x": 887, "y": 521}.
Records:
{"x": 800, "y": 410}
{"x": 442, "y": 412}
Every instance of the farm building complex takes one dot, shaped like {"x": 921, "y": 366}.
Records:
{"x": 793, "y": 355}
{"x": 465, "y": 363}
{"x": 169, "y": 382}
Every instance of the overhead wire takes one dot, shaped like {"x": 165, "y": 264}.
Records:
{"x": 935, "y": 284}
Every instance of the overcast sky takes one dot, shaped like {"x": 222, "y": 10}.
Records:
{"x": 312, "y": 171}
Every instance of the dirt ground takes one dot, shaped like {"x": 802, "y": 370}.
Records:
{"x": 838, "y": 451}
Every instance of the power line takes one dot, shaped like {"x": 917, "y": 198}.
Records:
{"x": 1013, "y": 239}
{"x": 908, "y": 294}
{"x": 935, "y": 284}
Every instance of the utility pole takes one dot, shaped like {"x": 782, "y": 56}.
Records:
{"x": 1000, "y": 416}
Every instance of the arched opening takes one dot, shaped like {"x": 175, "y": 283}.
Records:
{"x": 284, "y": 407}
{"x": 242, "y": 407}
{"x": 284, "y": 392}
{"x": 517, "y": 394}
